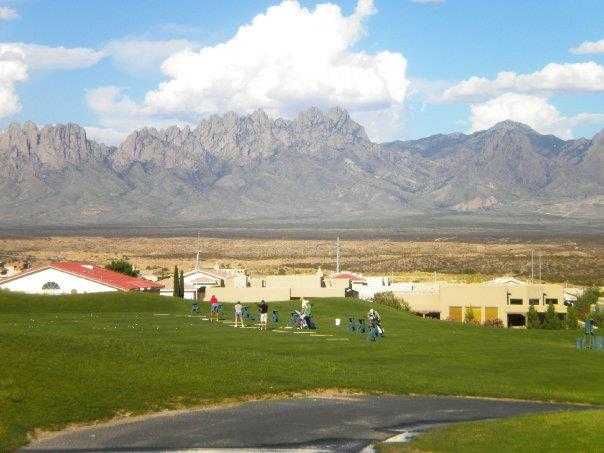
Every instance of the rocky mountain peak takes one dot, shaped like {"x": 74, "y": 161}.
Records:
{"x": 511, "y": 126}
{"x": 52, "y": 147}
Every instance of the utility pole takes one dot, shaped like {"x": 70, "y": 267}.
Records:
{"x": 532, "y": 266}
{"x": 540, "y": 267}
{"x": 198, "y": 256}
{"x": 338, "y": 254}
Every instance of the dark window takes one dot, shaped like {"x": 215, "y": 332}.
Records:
{"x": 50, "y": 285}
{"x": 533, "y": 301}
{"x": 551, "y": 301}
{"x": 515, "y": 301}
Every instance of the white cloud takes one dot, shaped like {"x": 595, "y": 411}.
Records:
{"x": 18, "y": 59}
{"x": 38, "y": 57}
{"x": 119, "y": 115}
{"x": 143, "y": 55}
{"x": 534, "y": 111}
{"x": 587, "y": 47}
{"x": 106, "y": 135}
{"x": 284, "y": 60}
{"x": 567, "y": 77}
{"x": 8, "y": 13}
{"x": 12, "y": 71}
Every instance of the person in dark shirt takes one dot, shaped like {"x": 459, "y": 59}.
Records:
{"x": 263, "y": 308}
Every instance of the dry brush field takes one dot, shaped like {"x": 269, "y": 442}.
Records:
{"x": 580, "y": 263}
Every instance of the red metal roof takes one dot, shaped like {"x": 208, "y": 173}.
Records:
{"x": 105, "y": 276}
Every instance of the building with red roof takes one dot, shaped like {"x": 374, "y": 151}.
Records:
{"x": 74, "y": 277}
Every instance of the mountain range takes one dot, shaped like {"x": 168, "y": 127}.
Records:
{"x": 319, "y": 165}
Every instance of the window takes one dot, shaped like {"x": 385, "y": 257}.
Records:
{"x": 515, "y": 301}
{"x": 551, "y": 301}
{"x": 50, "y": 286}
{"x": 533, "y": 301}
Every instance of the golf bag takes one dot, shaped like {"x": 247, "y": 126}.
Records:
{"x": 275, "y": 317}
{"x": 352, "y": 324}
{"x": 374, "y": 323}
{"x": 194, "y": 308}
{"x": 245, "y": 313}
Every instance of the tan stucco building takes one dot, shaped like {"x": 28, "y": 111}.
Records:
{"x": 506, "y": 301}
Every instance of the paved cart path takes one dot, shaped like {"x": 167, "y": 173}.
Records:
{"x": 346, "y": 423}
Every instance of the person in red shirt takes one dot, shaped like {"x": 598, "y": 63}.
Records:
{"x": 213, "y": 308}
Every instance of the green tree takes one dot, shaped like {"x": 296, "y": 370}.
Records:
{"x": 571, "y": 321}
{"x": 551, "y": 322}
{"x": 469, "y": 317}
{"x": 585, "y": 301}
{"x": 532, "y": 318}
{"x": 175, "y": 283}
{"x": 181, "y": 284}
{"x": 123, "y": 266}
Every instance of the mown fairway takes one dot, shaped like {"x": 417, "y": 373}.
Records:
{"x": 557, "y": 432}
{"x": 87, "y": 357}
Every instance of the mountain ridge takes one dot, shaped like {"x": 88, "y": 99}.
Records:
{"x": 318, "y": 164}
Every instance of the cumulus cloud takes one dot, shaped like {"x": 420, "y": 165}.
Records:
{"x": 8, "y": 13}
{"x": 18, "y": 59}
{"x": 106, "y": 135}
{"x": 39, "y": 57}
{"x": 534, "y": 111}
{"x": 567, "y": 77}
{"x": 588, "y": 47}
{"x": 12, "y": 71}
{"x": 284, "y": 60}
{"x": 143, "y": 55}
{"x": 118, "y": 115}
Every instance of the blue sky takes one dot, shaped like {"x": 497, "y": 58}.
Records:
{"x": 403, "y": 68}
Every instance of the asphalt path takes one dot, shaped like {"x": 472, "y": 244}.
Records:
{"x": 320, "y": 424}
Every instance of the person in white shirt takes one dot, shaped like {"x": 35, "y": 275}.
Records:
{"x": 239, "y": 314}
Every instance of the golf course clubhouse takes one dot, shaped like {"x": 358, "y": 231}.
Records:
{"x": 488, "y": 302}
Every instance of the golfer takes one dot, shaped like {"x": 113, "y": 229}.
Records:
{"x": 239, "y": 314}
{"x": 263, "y": 309}
{"x": 213, "y": 308}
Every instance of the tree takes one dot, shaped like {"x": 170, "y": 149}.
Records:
{"x": 175, "y": 283}
{"x": 181, "y": 284}
{"x": 469, "y": 317}
{"x": 123, "y": 266}
{"x": 585, "y": 301}
{"x": 532, "y": 318}
{"x": 571, "y": 318}
{"x": 551, "y": 322}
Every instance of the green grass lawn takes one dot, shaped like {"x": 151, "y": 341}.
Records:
{"x": 555, "y": 432}
{"x": 88, "y": 357}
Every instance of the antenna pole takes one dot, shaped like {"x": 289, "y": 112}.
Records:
{"x": 197, "y": 256}
{"x": 338, "y": 255}
{"x": 540, "y": 267}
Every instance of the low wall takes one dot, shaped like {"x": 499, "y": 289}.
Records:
{"x": 248, "y": 295}
{"x": 317, "y": 292}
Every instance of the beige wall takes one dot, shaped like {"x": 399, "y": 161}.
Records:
{"x": 317, "y": 292}
{"x": 292, "y": 281}
{"x": 249, "y": 294}
{"x": 480, "y": 296}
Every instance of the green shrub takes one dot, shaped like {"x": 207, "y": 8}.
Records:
{"x": 469, "y": 316}
{"x": 585, "y": 301}
{"x": 532, "y": 319}
{"x": 551, "y": 321}
{"x": 390, "y": 300}
{"x": 493, "y": 323}
{"x": 571, "y": 321}
{"x": 123, "y": 266}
